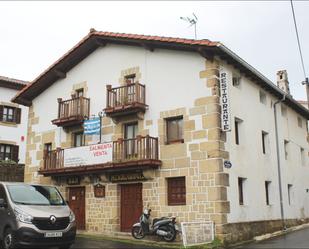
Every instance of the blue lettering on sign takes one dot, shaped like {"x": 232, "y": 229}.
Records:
{"x": 227, "y": 164}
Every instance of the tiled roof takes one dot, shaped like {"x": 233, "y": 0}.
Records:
{"x": 94, "y": 39}
{"x": 12, "y": 83}
{"x": 15, "y": 81}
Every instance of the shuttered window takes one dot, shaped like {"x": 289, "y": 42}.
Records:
{"x": 9, "y": 152}
{"x": 10, "y": 114}
{"x": 176, "y": 191}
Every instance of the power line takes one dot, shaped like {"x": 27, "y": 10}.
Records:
{"x": 298, "y": 41}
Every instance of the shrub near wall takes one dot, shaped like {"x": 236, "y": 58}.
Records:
{"x": 12, "y": 172}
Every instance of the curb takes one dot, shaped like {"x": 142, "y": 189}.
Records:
{"x": 129, "y": 240}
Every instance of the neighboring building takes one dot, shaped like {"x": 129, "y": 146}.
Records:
{"x": 13, "y": 131}
{"x": 161, "y": 99}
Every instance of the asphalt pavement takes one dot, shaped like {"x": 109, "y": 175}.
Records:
{"x": 294, "y": 240}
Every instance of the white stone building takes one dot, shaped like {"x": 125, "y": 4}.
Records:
{"x": 161, "y": 99}
{"x": 13, "y": 122}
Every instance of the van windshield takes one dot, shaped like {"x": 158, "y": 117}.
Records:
{"x": 35, "y": 195}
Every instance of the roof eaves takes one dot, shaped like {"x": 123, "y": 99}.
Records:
{"x": 276, "y": 90}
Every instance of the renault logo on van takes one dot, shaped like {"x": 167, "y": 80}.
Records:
{"x": 52, "y": 219}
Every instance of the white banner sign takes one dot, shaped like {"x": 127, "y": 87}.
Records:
{"x": 225, "y": 107}
{"x": 88, "y": 155}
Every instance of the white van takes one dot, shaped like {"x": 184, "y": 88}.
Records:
{"x": 34, "y": 215}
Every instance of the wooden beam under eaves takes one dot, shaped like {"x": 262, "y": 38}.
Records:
{"x": 24, "y": 101}
{"x": 147, "y": 46}
{"x": 100, "y": 42}
{"x": 206, "y": 53}
{"x": 60, "y": 74}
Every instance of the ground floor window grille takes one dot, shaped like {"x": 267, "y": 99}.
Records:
{"x": 197, "y": 233}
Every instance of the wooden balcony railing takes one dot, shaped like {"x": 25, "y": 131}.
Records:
{"x": 53, "y": 159}
{"x": 72, "y": 111}
{"x": 140, "y": 150}
{"x": 125, "y": 99}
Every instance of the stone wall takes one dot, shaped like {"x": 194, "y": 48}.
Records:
{"x": 244, "y": 231}
{"x": 12, "y": 172}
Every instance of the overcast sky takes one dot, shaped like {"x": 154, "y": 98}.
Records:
{"x": 35, "y": 34}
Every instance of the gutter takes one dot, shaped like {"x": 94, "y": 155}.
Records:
{"x": 279, "y": 162}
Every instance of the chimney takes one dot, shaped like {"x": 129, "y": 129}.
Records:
{"x": 282, "y": 81}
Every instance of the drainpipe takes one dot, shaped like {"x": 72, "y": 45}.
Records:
{"x": 278, "y": 161}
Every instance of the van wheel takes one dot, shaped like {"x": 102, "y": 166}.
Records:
{"x": 9, "y": 241}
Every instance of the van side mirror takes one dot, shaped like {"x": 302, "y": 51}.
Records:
{"x": 3, "y": 203}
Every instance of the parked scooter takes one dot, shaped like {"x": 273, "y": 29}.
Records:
{"x": 164, "y": 227}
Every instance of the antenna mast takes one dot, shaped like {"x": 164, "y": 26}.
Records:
{"x": 192, "y": 22}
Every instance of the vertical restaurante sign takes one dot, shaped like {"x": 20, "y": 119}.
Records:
{"x": 88, "y": 155}
{"x": 225, "y": 108}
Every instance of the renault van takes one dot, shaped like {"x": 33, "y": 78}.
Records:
{"x": 34, "y": 215}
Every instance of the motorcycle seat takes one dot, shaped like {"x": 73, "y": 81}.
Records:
{"x": 155, "y": 220}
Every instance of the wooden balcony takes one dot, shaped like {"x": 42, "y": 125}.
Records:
{"x": 72, "y": 112}
{"x": 133, "y": 154}
{"x": 125, "y": 100}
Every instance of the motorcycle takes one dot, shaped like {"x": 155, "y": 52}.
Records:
{"x": 164, "y": 227}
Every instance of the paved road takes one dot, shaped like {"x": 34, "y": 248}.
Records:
{"x": 83, "y": 243}
{"x": 294, "y": 240}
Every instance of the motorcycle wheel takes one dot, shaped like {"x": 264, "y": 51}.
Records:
{"x": 137, "y": 232}
{"x": 171, "y": 234}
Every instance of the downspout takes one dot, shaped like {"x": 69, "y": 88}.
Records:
{"x": 279, "y": 162}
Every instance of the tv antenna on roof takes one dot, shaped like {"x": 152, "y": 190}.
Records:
{"x": 192, "y": 22}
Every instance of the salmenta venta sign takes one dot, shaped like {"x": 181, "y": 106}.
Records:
{"x": 225, "y": 107}
{"x": 88, "y": 155}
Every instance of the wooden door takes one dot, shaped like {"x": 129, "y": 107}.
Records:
{"x": 131, "y": 205}
{"x": 77, "y": 204}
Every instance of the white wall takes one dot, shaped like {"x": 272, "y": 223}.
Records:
{"x": 171, "y": 78}
{"x": 249, "y": 161}
{"x": 14, "y": 134}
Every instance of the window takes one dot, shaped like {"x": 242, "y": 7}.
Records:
{"x": 174, "y": 130}
{"x": 176, "y": 191}
{"x": 286, "y": 149}
{"x": 283, "y": 111}
{"x": 237, "y": 128}
{"x": 47, "y": 148}
{"x": 130, "y": 79}
{"x": 290, "y": 193}
{"x": 2, "y": 193}
{"x": 302, "y": 157}
{"x": 130, "y": 133}
{"x": 10, "y": 114}
{"x": 263, "y": 98}
{"x": 236, "y": 81}
{"x": 241, "y": 182}
{"x": 79, "y": 139}
{"x": 300, "y": 122}
{"x": 79, "y": 92}
{"x": 267, "y": 186}
{"x": 264, "y": 142}
{"x": 9, "y": 152}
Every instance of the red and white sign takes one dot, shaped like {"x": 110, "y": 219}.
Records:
{"x": 88, "y": 155}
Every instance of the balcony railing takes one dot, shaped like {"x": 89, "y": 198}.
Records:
{"x": 53, "y": 158}
{"x": 72, "y": 111}
{"x": 125, "y": 99}
{"x": 140, "y": 151}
